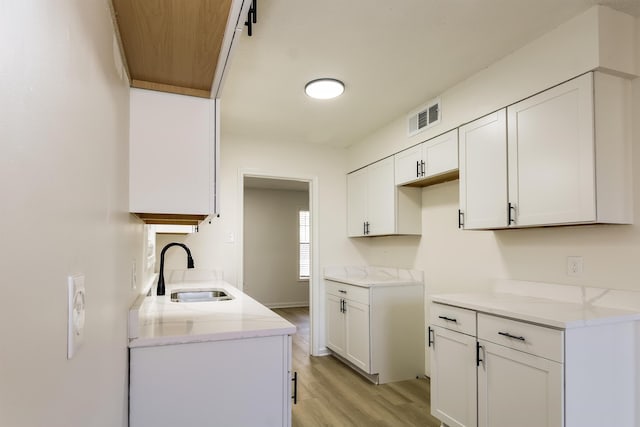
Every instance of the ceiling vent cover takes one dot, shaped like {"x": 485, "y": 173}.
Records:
{"x": 426, "y": 117}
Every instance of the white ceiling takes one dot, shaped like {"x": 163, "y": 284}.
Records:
{"x": 393, "y": 56}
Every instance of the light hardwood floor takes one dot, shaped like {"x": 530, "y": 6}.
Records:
{"x": 331, "y": 394}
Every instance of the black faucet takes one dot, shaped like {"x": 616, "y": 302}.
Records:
{"x": 160, "y": 290}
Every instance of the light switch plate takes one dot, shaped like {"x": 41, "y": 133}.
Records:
{"x": 75, "y": 325}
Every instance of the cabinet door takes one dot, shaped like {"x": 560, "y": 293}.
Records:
{"x": 358, "y": 334}
{"x": 408, "y": 165}
{"x": 335, "y": 322}
{"x": 242, "y": 382}
{"x": 441, "y": 154}
{"x": 518, "y": 389}
{"x": 453, "y": 378}
{"x": 357, "y": 202}
{"x": 171, "y": 153}
{"x": 381, "y": 198}
{"x": 483, "y": 172}
{"x": 551, "y": 155}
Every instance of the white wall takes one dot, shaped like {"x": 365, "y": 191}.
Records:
{"x": 455, "y": 260}
{"x": 64, "y": 185}
{"x": 271, "y": 247}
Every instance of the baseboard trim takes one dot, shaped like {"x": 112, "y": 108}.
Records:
{"x": 323, "y": 352}
{"x": 374, "y": 378}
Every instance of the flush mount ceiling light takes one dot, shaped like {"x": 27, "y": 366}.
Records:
{"x": 324, "y": 88}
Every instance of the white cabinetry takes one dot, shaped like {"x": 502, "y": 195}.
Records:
{"x": 242, "y": 382}
{"x": 377, "y": 329}
{"x": 375, "y": 206}
{"x": 335, "y": 321}
{"x": 172, "y": 154}
{"x": 530, "y": 375}
{"x": 520, "y": 374}
{"x": 432, "y": 158}
{"x": 452, "y": 343}
{"x": 348, "y": 323}
{"x": 565, "y": 158}
{"x": 569, "y": 153}
{"x": 483, "y": 172}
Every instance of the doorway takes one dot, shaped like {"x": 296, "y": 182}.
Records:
{"x": 277, "y": 265}
{"x": 276, "y": 242}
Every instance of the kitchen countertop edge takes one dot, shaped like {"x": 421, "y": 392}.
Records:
{"x": 547, "y": 312}
{"x": 251, "y": 320}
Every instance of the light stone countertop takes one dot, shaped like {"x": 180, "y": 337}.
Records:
{"x": 558, "y": 306}
{"x": 156, "y": 320}
{"x": 372, "y": 276}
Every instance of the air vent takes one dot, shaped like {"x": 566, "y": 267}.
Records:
{"x": 424, "y": 118}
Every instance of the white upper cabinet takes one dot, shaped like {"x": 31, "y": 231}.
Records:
{"x": 569, "y": 154}
{"x": 408, "y": 165}
{"x": 376, "y": 207}
{"x": 357, "y": 195}
{"x": 172, "y": 154}
{"x": 483, "y": 173}
{"x": 380, "y": 216}
{"x": 433, "y": 158}
{"x": 560, "y": 157}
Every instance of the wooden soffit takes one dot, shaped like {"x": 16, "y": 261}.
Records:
{"x": 172, "y": 45}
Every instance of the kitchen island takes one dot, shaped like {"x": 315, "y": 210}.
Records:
{"x": 224, "y": 362}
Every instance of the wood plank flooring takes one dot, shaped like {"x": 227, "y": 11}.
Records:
{"x": 331, "y": 394}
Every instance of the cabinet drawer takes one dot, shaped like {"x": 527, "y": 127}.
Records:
{"x": 454, "y": 318}
{"x": 534, "y": 339}
{"x": 350, "y": 292}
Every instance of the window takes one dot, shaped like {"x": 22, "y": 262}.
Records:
{"x": 304, "y": 260}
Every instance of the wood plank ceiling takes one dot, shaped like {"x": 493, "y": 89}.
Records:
{"x": 172, "y": 45}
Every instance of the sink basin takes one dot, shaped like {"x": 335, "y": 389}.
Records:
{"x": 200, "y": 295}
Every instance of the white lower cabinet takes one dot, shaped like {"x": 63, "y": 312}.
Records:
{"x": 453, "y": 378}
{"x": 240, "y": 382}
{"x": 528, "y": 375}
{"x": 335, "y": 321}
{"x": 518, "y": 389}
{"x": 348, "y": 323}
{"x": 377, "y": 328}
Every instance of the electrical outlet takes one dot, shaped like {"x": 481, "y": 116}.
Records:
{"x": 575, "y": 266}
{"x": 76, "y": 315}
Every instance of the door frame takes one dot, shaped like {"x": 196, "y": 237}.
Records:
{"x": 314, "y": 279}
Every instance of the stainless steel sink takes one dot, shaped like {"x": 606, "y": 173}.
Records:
{"x": 200, "y": 295}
